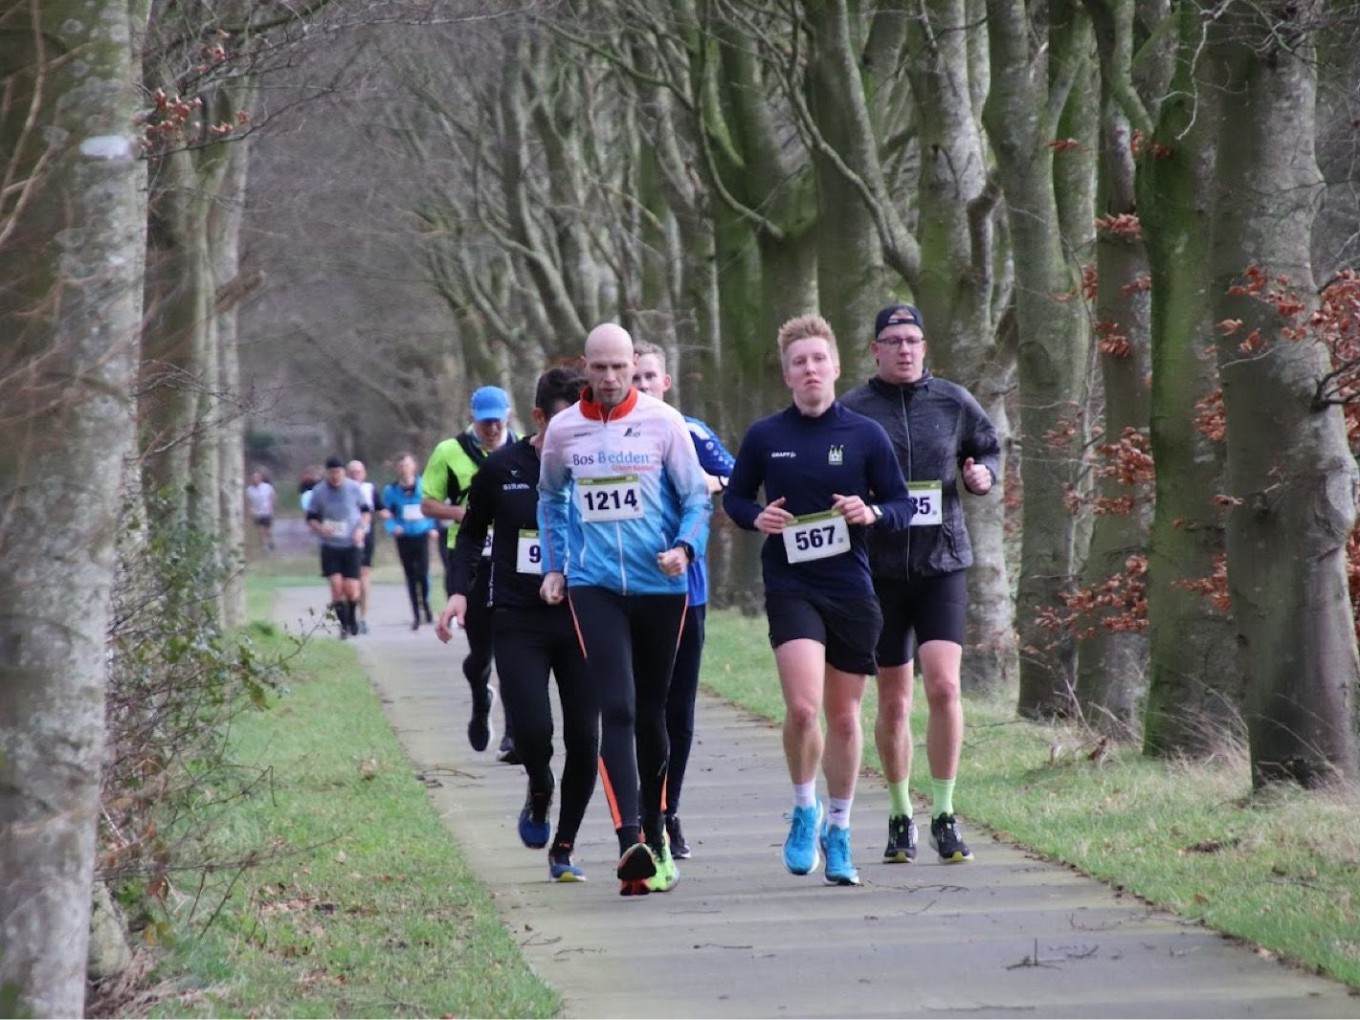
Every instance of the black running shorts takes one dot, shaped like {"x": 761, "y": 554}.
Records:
{"x": 847, "y": 627}
{"x": 343, "y": 561}
{"x": 920, "y": 610}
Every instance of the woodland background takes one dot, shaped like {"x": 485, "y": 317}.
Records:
{"x": 254, "y": 233}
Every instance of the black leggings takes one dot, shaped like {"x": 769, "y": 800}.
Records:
{"x": 477, "y": 625}
{"x": 629, "y": 643}
{"x": 530, "y": 642}
{"x": 414, "y": 553}
{"x": 680, "y": 703}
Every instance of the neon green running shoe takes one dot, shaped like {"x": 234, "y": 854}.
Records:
{"x": 667, "y": 874}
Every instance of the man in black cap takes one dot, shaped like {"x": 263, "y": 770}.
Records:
{"x": 339, "y": 515}
{"x": 941, "y": 436}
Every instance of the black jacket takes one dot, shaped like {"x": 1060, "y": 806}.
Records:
{"x": 935, "y": 425}
{"x": 503, "y": 495}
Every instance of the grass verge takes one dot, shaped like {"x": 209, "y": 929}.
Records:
{"x": 1281, "y": 871}
{"x": 368, "y": 909}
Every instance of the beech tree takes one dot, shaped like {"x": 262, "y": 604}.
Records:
{"x": 72, "y": 236}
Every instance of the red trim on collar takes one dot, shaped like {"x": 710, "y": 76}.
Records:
{"x": 596, "y": 412}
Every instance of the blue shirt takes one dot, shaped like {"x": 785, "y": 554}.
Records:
{"x": 716, "y": 461}
{"x": 397, "y": 498}
{"x": 809, "y": 461}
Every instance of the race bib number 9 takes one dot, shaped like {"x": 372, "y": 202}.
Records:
{"x": 816, "y": 537}
{"x": 927, "y": 503}
{"x": 529, "y": 554}
{"x": 601, "y": 500}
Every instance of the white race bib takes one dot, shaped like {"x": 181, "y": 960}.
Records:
{"x": 529, "y": 554}
{"x": 601, "y": 500}
{"x": 816, "y": 536}
{"x": 411, "y": 512}
{"x": 486, "y": 546}
{"x": 335, "y": 529}
{"x": 927, "y": 503}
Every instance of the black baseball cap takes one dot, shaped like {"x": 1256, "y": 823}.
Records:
{"x": 334, "y": 462}
{"x": 901, "y": 314}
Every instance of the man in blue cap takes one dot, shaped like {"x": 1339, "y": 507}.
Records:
{"x": 444, "y": 492}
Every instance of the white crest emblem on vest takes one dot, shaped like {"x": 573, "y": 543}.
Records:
{"x": 835, "y": 455}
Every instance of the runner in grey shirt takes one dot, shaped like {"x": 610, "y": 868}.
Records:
{"x": 339, "y": 515}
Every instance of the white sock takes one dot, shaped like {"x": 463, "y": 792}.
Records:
{"x": 839, "y": 813}
{"x": 805, "y": 794}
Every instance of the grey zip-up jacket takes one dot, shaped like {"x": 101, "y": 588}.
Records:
{"x": 935, "y": 425}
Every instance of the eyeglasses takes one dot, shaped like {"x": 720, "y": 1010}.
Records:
{"x": 900, "y": 341}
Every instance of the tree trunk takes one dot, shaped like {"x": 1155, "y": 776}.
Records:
{"x": 1112, "y": 660}
{"x": 1290, "y": 471}
{"x": 1020, "y": 115}
{"x": 961, "y": 301}
{"x": 224, "y": 240}
{"x": 1195, "y": 684}
{"x": 70, "y": 311}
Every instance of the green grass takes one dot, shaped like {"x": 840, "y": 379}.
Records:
{"x": 1281, "y": 871}
{"x": 368, "y": 909}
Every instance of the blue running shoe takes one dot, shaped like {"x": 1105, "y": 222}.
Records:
{"x": 560, "y": 866}
{"x": 840, "y": 870}
{"x": 801, "y": 855}
{"x": 534, "y": 829}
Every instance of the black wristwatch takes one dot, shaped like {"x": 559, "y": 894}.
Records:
{"x": 689, "y": 549}
{"x": 878, "y": 512}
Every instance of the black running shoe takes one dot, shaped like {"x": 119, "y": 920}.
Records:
{"x": 679, "y": 848}
{"x": 479, "y": 726}
{"x": 507, "y": 753}
{"x": 901, "y": 848}
{"x": 429, "y": 617}
{"x": 945, "y": 838}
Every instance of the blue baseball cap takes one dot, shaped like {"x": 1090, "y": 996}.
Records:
{"x": 490, "y": 403}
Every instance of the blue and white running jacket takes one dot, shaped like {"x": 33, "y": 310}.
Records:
{"x": 635, "y": 462}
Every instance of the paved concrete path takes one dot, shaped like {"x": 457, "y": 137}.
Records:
{"x": 1007, "y": 935}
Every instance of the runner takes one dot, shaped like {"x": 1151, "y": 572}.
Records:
{"x": 940, "y": 434}
{"x": 829, "y": 476}
{"x": 338, "y": 515}
{"x": 531, "y": 637}
{"x": 623, "y": 510}
{"x": 359, "y": 473}
{"x": 410, "y": 529}
{"x": 650, "y": 377}
{"x": 260, "y": 497}
{"x": 444, "y": 490}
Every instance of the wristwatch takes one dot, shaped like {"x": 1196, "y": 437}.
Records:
{"x": 878, "y": 512}
{"x": 689, "y": 549}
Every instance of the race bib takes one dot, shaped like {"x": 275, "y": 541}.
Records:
{"x": 411, "y": 512}
{"x": 927, "y": 503}
{"x": 601, "y": 500}
{"x": 529, "y": 554}
{"x": 486, "y": 546}
{"x": 816, "y": 536}
{"x": 335, "y": 528}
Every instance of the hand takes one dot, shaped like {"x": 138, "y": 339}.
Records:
{"x": 554, "y": 587}
{"x": 672, "y": 562}
{"x": 853, "y": 509}
{"x": 977, "y": 478}
{"x": 773, "y": 518}
{"x": 358, "y": 536}
{"x": 397, "y": 529}
{"x": 459, "y": 512}
{"x": 455, "y": 609}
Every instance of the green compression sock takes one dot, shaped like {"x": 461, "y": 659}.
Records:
{"x": 899, "y": 799}
{"x": 942, "y": 793}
